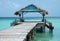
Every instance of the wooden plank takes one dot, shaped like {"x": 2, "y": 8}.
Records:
{"x": 19, "y": 31}
{"x": 10, "y": 39}
{"x": 31, "y": 22}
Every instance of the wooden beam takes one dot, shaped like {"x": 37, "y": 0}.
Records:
{"x": 31, "y": 11}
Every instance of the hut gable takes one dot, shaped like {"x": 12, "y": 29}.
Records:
{"x": 31, "y": 8}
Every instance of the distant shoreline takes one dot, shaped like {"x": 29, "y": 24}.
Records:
{"x": 26, "y": 17}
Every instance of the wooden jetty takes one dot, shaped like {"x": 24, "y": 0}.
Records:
{"x": 22, "y": 32}
{"x": 33, "y": 8}
{"x": 42, "y": 23}
{"x": 25, "y": 30}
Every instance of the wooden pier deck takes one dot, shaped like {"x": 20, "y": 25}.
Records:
{"x": 18, "y": 32}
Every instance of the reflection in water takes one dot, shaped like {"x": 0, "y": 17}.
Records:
{"x": 44, "y": 36}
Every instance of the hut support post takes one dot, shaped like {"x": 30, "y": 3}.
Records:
{"x": 22, "y": 20}
{"x": 43, "y": 16}
{"x": 22, "y": 15}
{"x": 42, "y": 28}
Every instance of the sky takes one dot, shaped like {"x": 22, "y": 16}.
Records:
{"x": 9, "y": 7}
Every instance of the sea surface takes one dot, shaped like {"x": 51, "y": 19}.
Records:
{"x": 47, "y": 36}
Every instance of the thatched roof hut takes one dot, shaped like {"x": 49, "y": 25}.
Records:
{"x": 31, "y": 8}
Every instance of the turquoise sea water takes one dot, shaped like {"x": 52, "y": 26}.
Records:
{"x": 47, "y": 36}
{"x": 5, "y": 23}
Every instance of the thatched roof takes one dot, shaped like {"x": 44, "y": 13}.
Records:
{"x": 31, "y": 8}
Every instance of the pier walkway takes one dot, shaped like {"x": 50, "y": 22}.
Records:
{"x": 21, "y": 32}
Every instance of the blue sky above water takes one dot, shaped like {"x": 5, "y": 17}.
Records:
{"x": 9, "y": 7}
